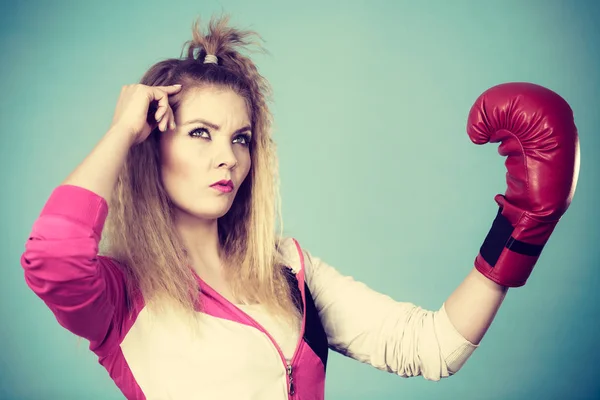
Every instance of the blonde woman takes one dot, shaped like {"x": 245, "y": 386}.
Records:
{"x": 161, "y": 248}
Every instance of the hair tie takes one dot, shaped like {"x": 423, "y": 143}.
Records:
{"x": 210, "y": 59}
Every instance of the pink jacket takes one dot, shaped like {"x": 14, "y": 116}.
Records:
{"x": 231, "y": 356}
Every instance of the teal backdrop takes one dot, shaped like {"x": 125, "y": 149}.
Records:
{"x": 378, "y": 175}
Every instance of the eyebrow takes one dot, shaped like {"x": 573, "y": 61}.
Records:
{"x": 215, "y": 126}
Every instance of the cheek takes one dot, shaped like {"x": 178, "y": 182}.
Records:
{"x": 244, "y": 163}
{"x": 175, "y": 171}
{"x": 177, "y": 164}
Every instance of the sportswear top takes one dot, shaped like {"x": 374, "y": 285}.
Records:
{"x": 230, "y": 351}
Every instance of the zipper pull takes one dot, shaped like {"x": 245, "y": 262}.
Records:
{"x": 291, "y": 377}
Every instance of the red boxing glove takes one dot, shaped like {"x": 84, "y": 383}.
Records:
{"x": 537, "y": 133}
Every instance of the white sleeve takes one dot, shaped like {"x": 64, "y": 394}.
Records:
{"x": 398, "y": 337}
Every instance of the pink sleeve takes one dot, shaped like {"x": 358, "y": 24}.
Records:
{"x": 86, "y": 292}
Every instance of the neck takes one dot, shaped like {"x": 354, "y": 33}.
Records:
{"x": 201, "y": 240}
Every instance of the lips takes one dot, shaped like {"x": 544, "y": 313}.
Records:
{"x": 224, "y": 186}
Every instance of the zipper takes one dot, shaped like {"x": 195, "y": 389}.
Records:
{"x": 291, "y": 388}
{"x": 288, "y": 365}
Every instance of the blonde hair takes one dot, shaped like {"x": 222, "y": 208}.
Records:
{"x": 140, "y": 231}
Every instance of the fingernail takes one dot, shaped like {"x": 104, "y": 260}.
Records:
{"x": 172, "y": 125}
{"x": 177, "y": 84}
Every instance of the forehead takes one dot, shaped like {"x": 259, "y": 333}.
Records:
{"x": 217, "y": 105}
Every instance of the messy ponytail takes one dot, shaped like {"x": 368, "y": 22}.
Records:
{"x": 155, "y": 257}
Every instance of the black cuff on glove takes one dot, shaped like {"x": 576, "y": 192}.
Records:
{"x": 500, "y": 237}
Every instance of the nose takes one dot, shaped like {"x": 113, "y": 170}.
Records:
{"x": 225, "y": 157}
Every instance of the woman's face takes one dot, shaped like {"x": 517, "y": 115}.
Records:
{"x": 207, "y": 157}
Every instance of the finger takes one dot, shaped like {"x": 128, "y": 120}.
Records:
{"x": 172, "y": 89}
{"x": 158, "y": 115}
{"x": 173, "y": 125}
{"x": 164, "y": 123}
{"x": 167, "y": 120}
{"x": 163, "y": 103}
{"x": 152, "y": 116}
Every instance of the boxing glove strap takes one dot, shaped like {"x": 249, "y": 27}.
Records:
{"x": 500, "y": 237}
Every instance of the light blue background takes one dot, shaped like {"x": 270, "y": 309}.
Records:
{"x": 378, "y": 176}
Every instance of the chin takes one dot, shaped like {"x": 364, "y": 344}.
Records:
{"x": 203, "y": 207}
{"x": 208, "y": 212}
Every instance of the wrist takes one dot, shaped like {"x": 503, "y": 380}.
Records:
{"x": 485, "y": 280}
{"x": 120, "y": 135}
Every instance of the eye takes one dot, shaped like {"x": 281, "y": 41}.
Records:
{"x": 243, "y": 139}
{"x": 200, "y": 132}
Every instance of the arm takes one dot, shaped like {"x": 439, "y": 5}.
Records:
{"x": 473, "y": 305}
{"x": 538, "y": 136}
{"x": 393, "y": 336}
{"x": 99, "y": 170}
{"x": 85, "y": 292}
{"x": 537, "y": 133}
